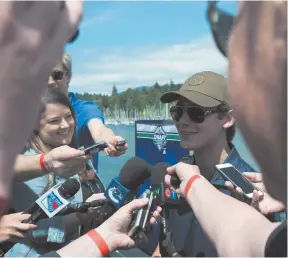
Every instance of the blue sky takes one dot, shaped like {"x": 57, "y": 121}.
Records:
{"x": 132, "y": 44}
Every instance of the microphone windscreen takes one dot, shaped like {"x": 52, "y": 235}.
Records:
{"x": 69, "y": 188}
{"x": 158, "y": 172}
{"x": 134, "y": 173}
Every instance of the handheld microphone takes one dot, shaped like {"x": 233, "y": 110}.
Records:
{"x": 134, "y": 172}
{"x": 169, "y": 200}
{"x": 120, "y": 190}
{"x": 53, "y": 201}
{"x": 123, "y": 188}
{"x": 164, "y": 195}
{"x": 175, "y": 181}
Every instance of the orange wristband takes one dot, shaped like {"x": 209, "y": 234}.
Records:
{"x": 189, "y": 183}
{"x": 99, "y": 241}
{"x": 42, "y": 164}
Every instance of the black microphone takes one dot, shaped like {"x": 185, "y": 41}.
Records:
{"x": 123, "y": 188}
{"x": 165, "y": 195}
{"x": 53, "y": 201}
{"x": 168, "y": 199}
{"x": 175, "y": 181}
{"x": 133, "y": 174}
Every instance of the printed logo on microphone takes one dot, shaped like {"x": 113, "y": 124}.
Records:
{"x": 115, "y": 195}
{"x": 167, "y": 193}
{"x": 52, "y": 202}
{"x": 116, "y": 192}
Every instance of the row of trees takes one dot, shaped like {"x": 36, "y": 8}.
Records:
{"x": 133, "y": 103}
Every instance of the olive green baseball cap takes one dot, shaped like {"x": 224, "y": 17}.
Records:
{"x": 206, "y": 89}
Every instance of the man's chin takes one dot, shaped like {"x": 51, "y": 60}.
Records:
{"x": 186, "y": 146}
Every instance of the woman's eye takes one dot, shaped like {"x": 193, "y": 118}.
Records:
{"x": 69, "y": 116}
{"x": 54, "y": 121}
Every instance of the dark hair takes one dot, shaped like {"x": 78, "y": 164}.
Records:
{"x": 50, "y": 96}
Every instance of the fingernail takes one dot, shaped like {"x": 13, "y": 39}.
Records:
{"x": 145, "y": 200}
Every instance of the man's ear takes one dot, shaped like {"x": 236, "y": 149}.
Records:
{"x": 230, "y": 120}
{"x": 69, "y": 76}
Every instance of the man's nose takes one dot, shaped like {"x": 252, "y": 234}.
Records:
{"x": 185, "y": 119}
{"x": 52, "y": 84}
{"x": 51, "y": 81}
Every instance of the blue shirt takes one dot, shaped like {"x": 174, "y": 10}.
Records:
{"x": 85, "y": 111}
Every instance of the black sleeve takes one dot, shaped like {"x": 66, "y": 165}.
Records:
{"x": 276, "y": 245}
{"x": 51, "y": 254}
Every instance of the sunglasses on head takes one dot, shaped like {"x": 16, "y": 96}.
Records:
{"x": 221, "y": 24}
{"x": 57, "y": 75}
{"x": 195, "y": 113}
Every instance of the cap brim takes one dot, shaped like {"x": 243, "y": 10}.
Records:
{"x": 193, "y": 96}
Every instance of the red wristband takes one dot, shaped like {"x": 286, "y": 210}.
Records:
{"x": 99, "y": 241}
{"x": 42, "y": 164}
{"x": 189, "y": 183}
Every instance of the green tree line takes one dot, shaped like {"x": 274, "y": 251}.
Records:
{"x": 137, "y": 103}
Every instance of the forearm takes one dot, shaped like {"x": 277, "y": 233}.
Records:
{"x": 230, "y": 224}
{"x": 83, "y": 246}
{"x": 99, "y": 131}
{"x": 28, "y": 167}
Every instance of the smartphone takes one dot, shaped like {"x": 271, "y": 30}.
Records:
{"x": 98, "y": 145}
{"x": 230, "y": 173}
{"x": 120, "y": 143}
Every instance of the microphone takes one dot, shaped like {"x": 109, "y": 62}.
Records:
{"x": 169, "y": 200}
{"x": 164, "y": 195}
{"x": 123, "y": 188}
{"x": 134, "y": 172}
{"x": 53, "y": 201}
{"x": 175, "y": 181}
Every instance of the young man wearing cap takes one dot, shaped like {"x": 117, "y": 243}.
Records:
{"x": 206, "y": 126}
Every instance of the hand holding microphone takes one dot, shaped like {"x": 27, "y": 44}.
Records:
{"x": 53, "y": 201}
{"x": 12, "y": 227}
{"x": 182, "y": 173}
{"x": 109, "y": 236}
{"x": 115, "y": 229}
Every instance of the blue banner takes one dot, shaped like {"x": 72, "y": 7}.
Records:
{"x": 157, "y": 141}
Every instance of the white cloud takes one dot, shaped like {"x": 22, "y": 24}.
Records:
{"x": 145, "y": 65}
{"x": 100, "y": 18}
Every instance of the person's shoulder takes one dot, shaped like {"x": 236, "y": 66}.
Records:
{"x": 238, "y": 162}
{"x": 81, "y": 102}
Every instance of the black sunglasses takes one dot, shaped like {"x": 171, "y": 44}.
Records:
{"x": 221, "y": 24}
{"x": 57, "y": 75}
{"x": 195, "y": 113}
